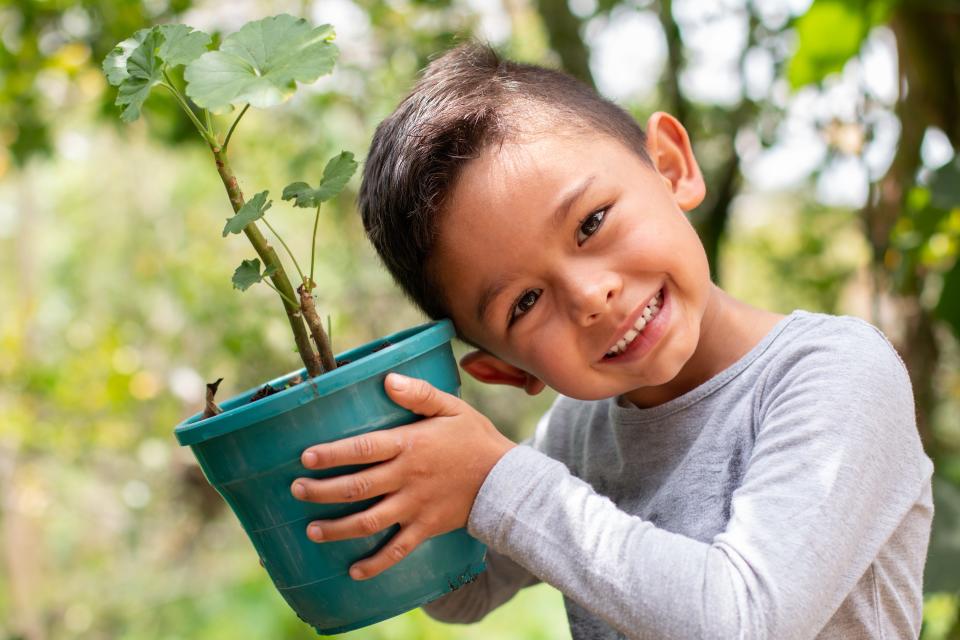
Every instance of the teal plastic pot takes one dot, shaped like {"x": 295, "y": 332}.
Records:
{"x": 251, "y": 454}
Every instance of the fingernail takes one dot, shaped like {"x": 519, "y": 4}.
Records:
{"x": 309, "y": 459}
{"x": 314, "y": 532}
{"x": 356, "y": 573}
{"x": 299, "y": 490}
{"x": 398, "y": 381}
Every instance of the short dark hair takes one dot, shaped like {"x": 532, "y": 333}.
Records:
{"x": 467, "y": 99}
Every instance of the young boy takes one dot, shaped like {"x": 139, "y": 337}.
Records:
{"x": 710, "y": 469}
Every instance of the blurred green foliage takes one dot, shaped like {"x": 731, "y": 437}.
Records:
{"x": 848, "y": 23}
{"x": 114, "y": 282}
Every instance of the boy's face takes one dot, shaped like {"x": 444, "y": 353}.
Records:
{"x": 563, "y": 239}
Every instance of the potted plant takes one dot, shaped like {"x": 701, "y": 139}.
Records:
{"x": 249, "y": 448}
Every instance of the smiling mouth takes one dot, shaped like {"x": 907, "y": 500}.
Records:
{"x": 649, "y": 312}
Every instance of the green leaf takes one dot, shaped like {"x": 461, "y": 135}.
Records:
{"x": 248, "y": 274}
{"x": 943, "y": 553}
{"x": 115, "y": 64}
{"x": 251, "y": 210}
{"x": 261, "y": 64}
{"x": 830, "y": 33}
{"x": 948, "y": 307}
{"x": 136, "y": 64}
{"x": 144, "y": 71}
{"x": 945, "y": 186}
{"x": 182, "y": 44}
{"x": 303, "y": 193}
{"x": 336, "y": 174}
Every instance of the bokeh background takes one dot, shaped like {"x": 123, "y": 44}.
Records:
{"x": 827, "y": 131}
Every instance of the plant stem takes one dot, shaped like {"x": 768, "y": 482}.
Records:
{"x": 269, "y": 257}
{"x": 289, "y": 253}
{"x": 209, "y": 120}
{"x": 279, "y": 293}
{"x": 207, "y": 135}
{"x": 313, "y": 245}
{"x": 316, "y": 328}
{"x": 234, "y": 126}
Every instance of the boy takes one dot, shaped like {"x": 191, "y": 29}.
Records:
{"x": 709, "y": 470}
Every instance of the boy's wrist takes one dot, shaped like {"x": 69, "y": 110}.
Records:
{"x": 499, "y": 446}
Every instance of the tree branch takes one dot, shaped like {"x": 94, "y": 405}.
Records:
{"x": 563, "y": 31}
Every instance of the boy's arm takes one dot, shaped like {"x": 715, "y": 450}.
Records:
{"x": 836, "y": 466}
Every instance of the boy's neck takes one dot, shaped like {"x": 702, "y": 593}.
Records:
{"x": 728, "y": 331}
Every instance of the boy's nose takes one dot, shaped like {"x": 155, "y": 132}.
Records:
{"x": 592, "y": 297}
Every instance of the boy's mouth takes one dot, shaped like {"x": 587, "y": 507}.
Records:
{"x": 644, "y": 318}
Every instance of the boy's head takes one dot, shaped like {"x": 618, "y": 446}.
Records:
{"x": 541, "y": 219}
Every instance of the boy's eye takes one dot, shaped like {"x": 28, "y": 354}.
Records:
{"x": 524, "y": 304}
{"x": 589, "y": 225}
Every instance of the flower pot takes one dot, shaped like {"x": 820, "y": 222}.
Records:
{"x": 251, "y": 454}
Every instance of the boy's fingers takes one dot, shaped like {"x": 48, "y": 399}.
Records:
{"x": 369, "y": 483}
{"x": 400, "y": 546}
{"x": 375, "y": 446}
{"x": 421, "y": 397}
{"x": 380, "y": 516}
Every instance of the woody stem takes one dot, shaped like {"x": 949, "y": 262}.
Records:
{"x": 316, "y": 328}
{"x": 270, "y": 258}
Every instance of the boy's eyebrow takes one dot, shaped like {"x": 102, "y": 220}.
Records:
{"x": 559, "y": 215}
{"x": 563, "y": 209}
{"x": 488, "y": 296}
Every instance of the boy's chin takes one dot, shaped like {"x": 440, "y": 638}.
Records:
{"x": 590, "y": 395}
{"x": 604, "y": 392}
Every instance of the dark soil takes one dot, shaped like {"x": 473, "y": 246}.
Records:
{"x": 264, "y": 391}
{"x": 383, "y": 345}
{"x": 269, "y": 390}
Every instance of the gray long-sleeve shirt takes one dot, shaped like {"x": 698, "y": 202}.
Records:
{"x": 786, "y": 497}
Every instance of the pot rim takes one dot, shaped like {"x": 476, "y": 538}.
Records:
{"x": 364, "y": 363}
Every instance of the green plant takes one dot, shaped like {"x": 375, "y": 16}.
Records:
{"x": 259, "y": 66}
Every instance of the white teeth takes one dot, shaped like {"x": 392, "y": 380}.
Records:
{"x": 651, "y": 309}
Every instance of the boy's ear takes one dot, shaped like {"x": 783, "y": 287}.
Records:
{"x": 672, "y": 155}
{"x": 492, "y": 370}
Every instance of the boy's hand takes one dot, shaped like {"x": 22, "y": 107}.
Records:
{"x": 430, "y": 472}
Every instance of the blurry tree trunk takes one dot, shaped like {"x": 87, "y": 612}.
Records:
{"x": 929, "y": 96}
{"x": 21, "y": 555}
{"x": 713, "y": 226}
{"x": 26, "y": 264}
{"x": 563, "y": 32}
{"x": 928, "y": 41}
{"x": 20, "y": 532}
{"x": 675, "y": 63}
{"x": 723, "y": 181}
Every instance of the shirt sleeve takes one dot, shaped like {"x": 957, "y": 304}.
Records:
{"x": 501, "y": 580}
{"x": 836, "y": 466}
